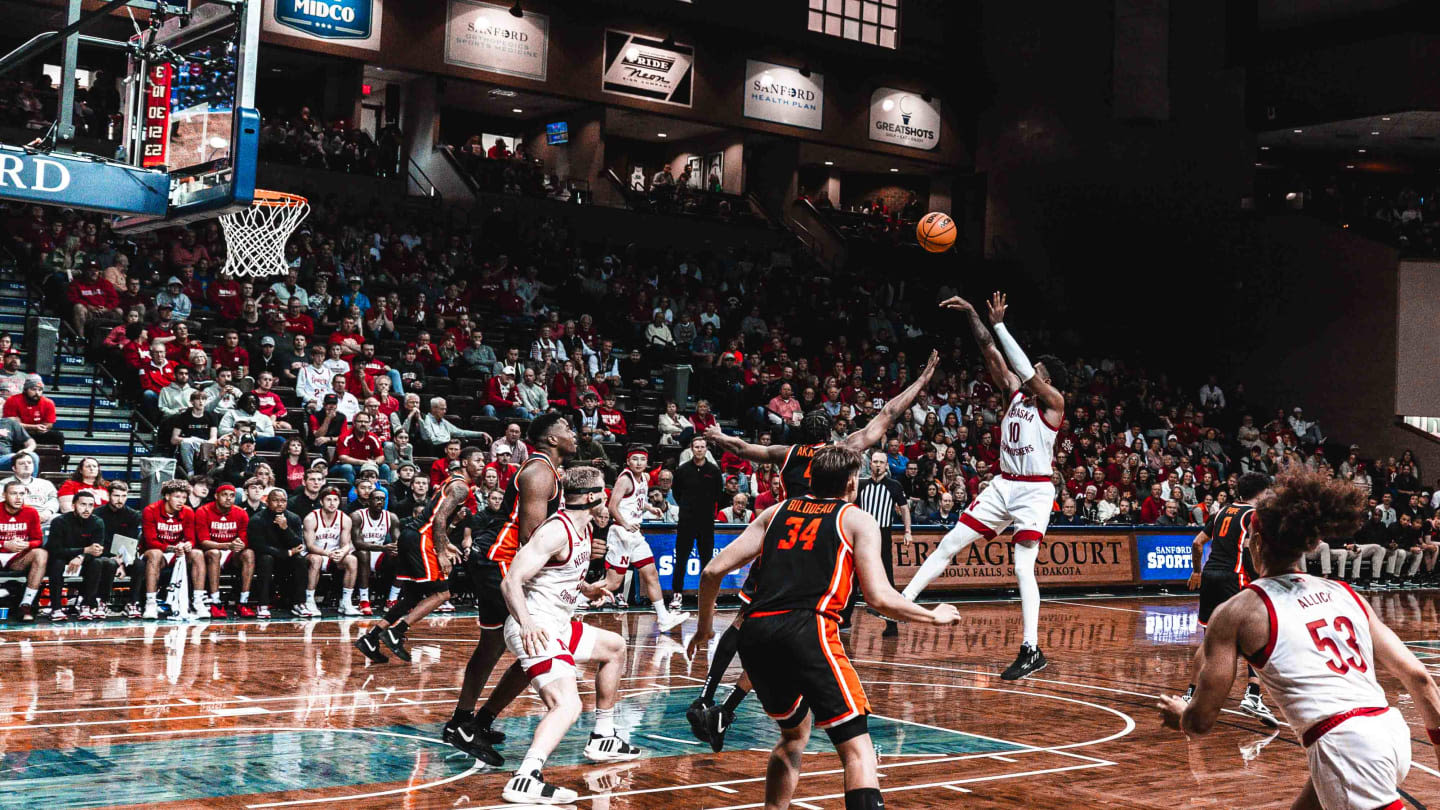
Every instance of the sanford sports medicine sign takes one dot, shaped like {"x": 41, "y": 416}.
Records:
{"x": 1065, "y": 559}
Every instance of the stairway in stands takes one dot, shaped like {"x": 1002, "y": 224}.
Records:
{"x": 72, "y": 393}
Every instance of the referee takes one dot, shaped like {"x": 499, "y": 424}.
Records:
{"x": 882, "y": 496}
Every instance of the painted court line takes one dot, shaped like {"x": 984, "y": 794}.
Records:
{"x": 1097, "y": 607}
{"x": 671, "y": 739}
{"x": 957, "y": 788}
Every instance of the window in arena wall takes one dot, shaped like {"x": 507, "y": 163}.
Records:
{"x": 1429, "y": 424}
{"x": 875, "y": 22}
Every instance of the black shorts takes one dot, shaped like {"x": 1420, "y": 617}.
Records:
{"x": 490, "y": 608}
{"x": 1215, "y": 588}
{"x": 747, "y": 588}
{"x": 797, "y": 664}
{"x": 417, "y": 559}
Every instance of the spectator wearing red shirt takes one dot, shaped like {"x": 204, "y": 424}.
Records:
{"x": 498, "y": 150}
{"x": 270, "y": 402}
{"x": 36, "y": 412}
{"x": 221, "y": 532}
{"x": 504, "y": 470}
{"x": 359, "y": 447}
{"x": 186, "y": 252}
{"x": 1153, "y": 506}
{"x": 700, "y": 421}
{"x": 347, "y": 336}
{"x": 168, "y": 529}
{"x": 20, "y": 540}
{"x": 230, "y": 354}
{"x": 502, "y": 397}
{"x": 297, "y": 321}
{"x": 613, "y": 420}
{"x": 157, "y": 373}
{"x": 225, "y": 296}
{"x": 440, "y": 469}
{"x": 771, "y": 495}
{"x": 92, "y": 297}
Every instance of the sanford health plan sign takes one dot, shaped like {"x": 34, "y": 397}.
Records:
{"x": 904, "y": 118}
{"x": 780, "y": 94}
{"x": 346, "y": 22}
{"x": 485, "y": 36}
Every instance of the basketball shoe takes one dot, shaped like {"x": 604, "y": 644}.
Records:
{"x": 1028, "y": 662}
{"x": 531, "y": 788}
{"x": 610, "y": 748}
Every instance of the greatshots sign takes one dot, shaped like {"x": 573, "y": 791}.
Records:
{"x": 780, "y": 94}
{"x": 904, "y": 119}
{"x": 355, "y": 23}
{"x": 485, "y": 36}
{"x": 643, "y": 67}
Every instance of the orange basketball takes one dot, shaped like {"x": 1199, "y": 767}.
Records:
{"x": 936, "y": 232}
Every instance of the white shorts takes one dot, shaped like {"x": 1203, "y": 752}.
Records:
{"x": 1025, "y": 505}
{"x": 571, "y": 643}
{"x": 1360, "y": 764}
{"x": 7, "y": 556}
{"x": 627, "y": 550}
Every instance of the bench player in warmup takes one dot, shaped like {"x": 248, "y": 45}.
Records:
{"x": 1316, "y": 645}
{"x": 626, "y": 548}
{"x": 222, "y": 532}
{"x": 1023, "y": 495}
{"x": 531, "y": 496}
{"x": 544, "y": 584}
{"x": 708, "y": 722}
{"x": 814, "y": 547}
{"x": 1225, "y": 573}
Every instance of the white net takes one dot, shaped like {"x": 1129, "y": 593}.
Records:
{"x": 255, "y": 236}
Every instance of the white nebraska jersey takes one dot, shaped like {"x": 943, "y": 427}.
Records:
{"x": 554, "y": 593}
{"x": 632, "y": 506}
{"x": 375, "y": 530}
{"x": 327, "y": 535}
{"x": 1027, "y": 444}
{"x": 1319, "y": 661}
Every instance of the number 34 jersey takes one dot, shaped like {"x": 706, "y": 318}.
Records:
{"x": 1319, "y": 661}
{"x": 806, "y": 561}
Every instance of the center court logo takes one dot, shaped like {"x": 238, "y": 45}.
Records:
{"x": 327, "y": 19}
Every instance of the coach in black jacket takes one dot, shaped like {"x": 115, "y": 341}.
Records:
{"x": 274, "y": 534}
{"x": 699, "y": 488}
{"x": 79, "y": 533}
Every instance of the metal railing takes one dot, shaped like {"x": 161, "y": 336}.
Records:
{"x": 423, "y": 180}
{"x": 137, "y": 440}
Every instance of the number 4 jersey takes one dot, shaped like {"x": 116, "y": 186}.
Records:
{"x": 806, "y": 561}
{"x": 1319, "y": 661}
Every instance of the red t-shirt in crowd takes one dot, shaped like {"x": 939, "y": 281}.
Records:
{"x": 73, "y": 488}
{"x": 213, "y": 527}
{"x": 226, "y": 357}
{"x": 21, "y": 525}
{"x": 98, "y": 293}
{"x": 162, "y": 529}
{"x": 31, "y": 413}
{"x": 225, "y": 295}
{"x": 365, "y": 448}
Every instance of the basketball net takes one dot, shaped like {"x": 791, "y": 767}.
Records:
{"x": 255, "y": 237}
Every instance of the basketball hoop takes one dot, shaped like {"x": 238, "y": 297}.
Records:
{"x": 255, "y": 236}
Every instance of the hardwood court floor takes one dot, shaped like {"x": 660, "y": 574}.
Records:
{"x": 286, "y": 714}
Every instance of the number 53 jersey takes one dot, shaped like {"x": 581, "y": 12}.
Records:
{"x": 806, "y": 561}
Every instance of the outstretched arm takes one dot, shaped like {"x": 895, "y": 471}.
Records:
{"x": 1048, "y": 396}
{"x": 765, "y": 454}
{"x": 1222, "y": 646}
{"x": 994, "y": 363}
{"x": 874, "y": 432}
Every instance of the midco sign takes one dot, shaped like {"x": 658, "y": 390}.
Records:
{"x": 71, "y": 182}
{"x": 354, "y": 22}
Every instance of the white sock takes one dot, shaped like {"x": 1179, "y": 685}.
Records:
{"x": 30, "y": 594}
{"x": 661, "y": 612}
{"x": 345, "y": 594}
{"x": 953, "y": 543}
{"x": 151, "y": 600}
{"x": 364, "y": 594}
{"x": 394, "y": 592}
{"x": 605, "y": 722}
{"x": 214, "y": 597}
{"x": 529, "y": 764}
{"x": 198, "y": 599}
{"x": 309, "y": 597}
{"x": 244, "y": 597}
{"x": 1025, "y": 556}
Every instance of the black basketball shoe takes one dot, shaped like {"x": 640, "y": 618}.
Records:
{"x": 463, "y": 737}
{"x": 479, "y": 725}
{"x": 369, "y": 646}
{"x": 717, "y": 722}
{"x": 1029, "y": 661}
{"x": 396, "y": 642}
{"x": 696, "y": 715}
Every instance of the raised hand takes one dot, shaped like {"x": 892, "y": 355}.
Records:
{"x": 997, "y": 308}
{"x": 957, "y": 303}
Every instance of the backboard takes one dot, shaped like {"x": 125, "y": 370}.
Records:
{"x": 189, "y": 110}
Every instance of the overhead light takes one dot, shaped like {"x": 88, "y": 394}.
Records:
{"x": 502, "y": 92}
{"x": 805, "y": 70}
{"x": 894, "y": 170}
{"x": 926, "y": 97}
{"x": 661, "y": 135}
{"x": 1297, "y": 131}
{"x": 1385, "y": 118}
{"x": 829, "y": 163}
{"x": 668, "y": 42}
{"x": 1374, "y": 132}
{"x": 1349, "y": 166}
{"x": 516, "y": 11}
{"x": 516, "y": 110}
{"x": 1264, "y": 149}
{"x": 1361, "y": 151}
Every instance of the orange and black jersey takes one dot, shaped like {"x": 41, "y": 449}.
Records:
{"x": 501, "y": 547}
{"x": 795, "y": 472}
{"x": 806, "y": 561}
{"x": 1229, "y": 529}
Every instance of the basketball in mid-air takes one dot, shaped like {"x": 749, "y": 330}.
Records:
{"x": 935, "y": 232}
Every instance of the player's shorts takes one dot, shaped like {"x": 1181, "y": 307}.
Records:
{"x": 7, "y": 556}
{"x": 571, "y": 643}
{"x": 1007, "y": 502}
{"x": 490, "y": 608}
{"x": 1361, "y": 762}
{"x": 1215, "y": 588}
{"x": 418, "y": 560}
{"x": 627, "y": 551}
{"x": 747, "y": 588}
{"x": 798, "y": 665}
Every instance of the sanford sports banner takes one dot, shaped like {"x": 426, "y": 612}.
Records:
{"x": 355, "y": 23}
{"x": 486, "y": 37}
{"x": 1065, "y": 559}
{"x": 904, "y": 118}
{"x": 644, "y": 67}
{"x": 781, "y": 94}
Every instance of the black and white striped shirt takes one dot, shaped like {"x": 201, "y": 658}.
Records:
{"x": 879, "y": 497}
